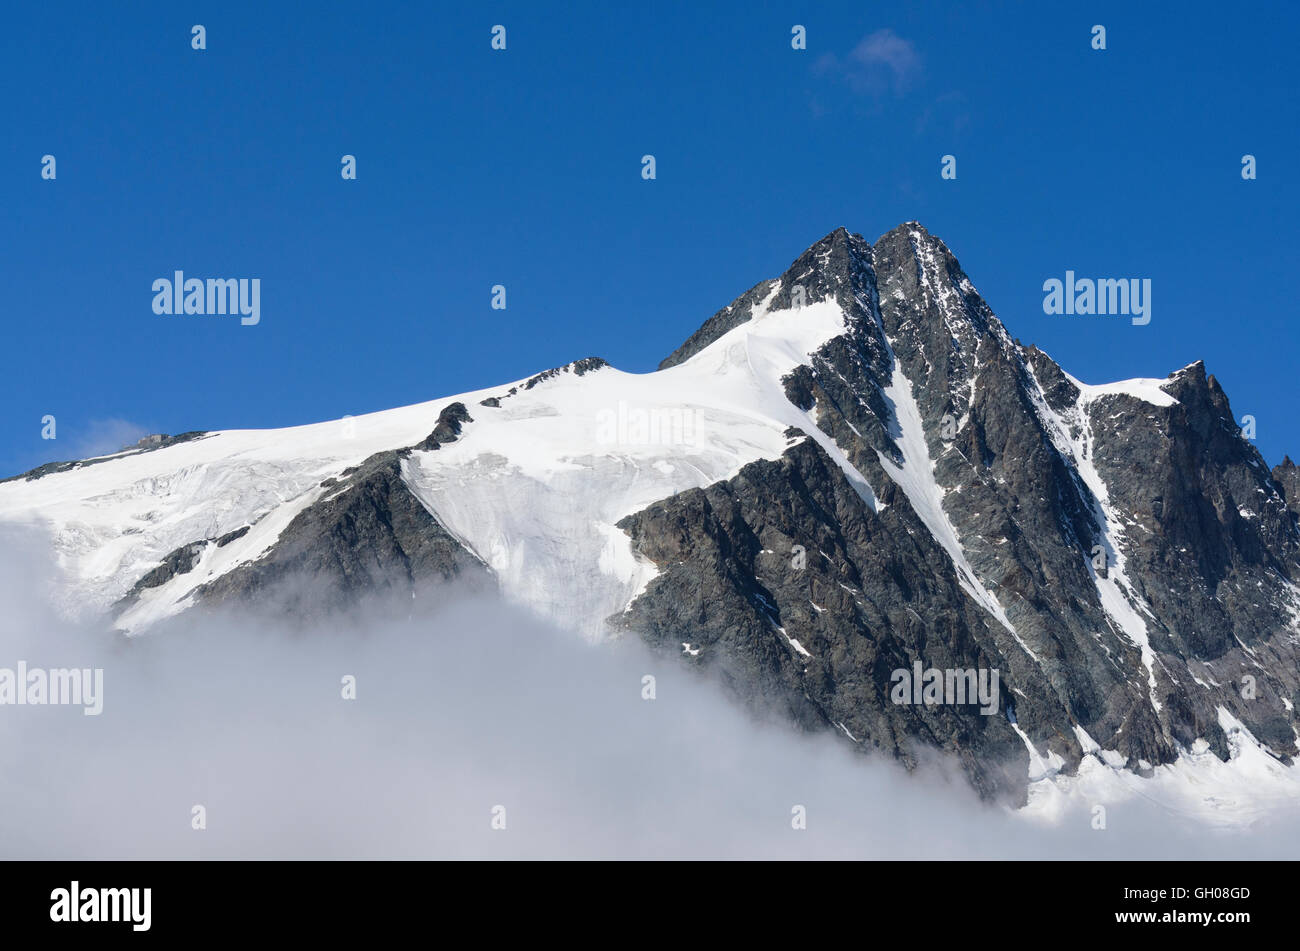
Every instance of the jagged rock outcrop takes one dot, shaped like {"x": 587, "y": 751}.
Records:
{"x": 1142, "y": 557}
{"x": 447, "y": 429}
{"x": 1287, "y": 476}
{"x": 368, "y": 535}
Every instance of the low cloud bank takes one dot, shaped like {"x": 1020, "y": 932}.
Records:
{"x": 468, "y": 714}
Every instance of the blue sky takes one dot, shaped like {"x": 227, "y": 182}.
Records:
{"x": 522, "y": 167}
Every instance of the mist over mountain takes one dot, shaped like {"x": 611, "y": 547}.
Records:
{"x": 851, "y": 470}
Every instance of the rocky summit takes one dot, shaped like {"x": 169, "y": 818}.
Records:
{"x": 849, "y": 473}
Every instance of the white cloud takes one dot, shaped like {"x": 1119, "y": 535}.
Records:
{"x": 461, "y": 706}
{"x": 880, "y": 62}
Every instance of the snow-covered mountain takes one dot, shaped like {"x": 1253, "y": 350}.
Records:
{"x": 531, "y": 481}
{"x": 850, "y": 469}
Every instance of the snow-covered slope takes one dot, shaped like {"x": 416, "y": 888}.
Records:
{"x": 533, "y": 486}
{"x": 110, "y": 522}
{"x": 536, "y": 487}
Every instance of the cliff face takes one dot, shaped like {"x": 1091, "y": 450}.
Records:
{"x": 1121, "y": 554}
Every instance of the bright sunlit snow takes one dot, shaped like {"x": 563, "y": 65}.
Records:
{"x": 534, "y": 487}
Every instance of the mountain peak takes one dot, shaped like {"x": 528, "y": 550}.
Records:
{"x": 840, "y": 265}
{"x": 914, "y": 237}
{"x": 830, "y": 267}
{"x": 1193, "y": 379}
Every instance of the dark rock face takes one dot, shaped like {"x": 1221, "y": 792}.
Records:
{"x": 178, "y": 562}
{"x": 1197, "y": 540}
{"x": 229, "y": 537}
{"x": 1213, "y": 553}
{"x": 577, "y": 368}
{"x": 369, "y": 535}
{"x": 448, "y": 427}
{"x": 787, "y": 552}
{"x": 1287, "y": 477}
